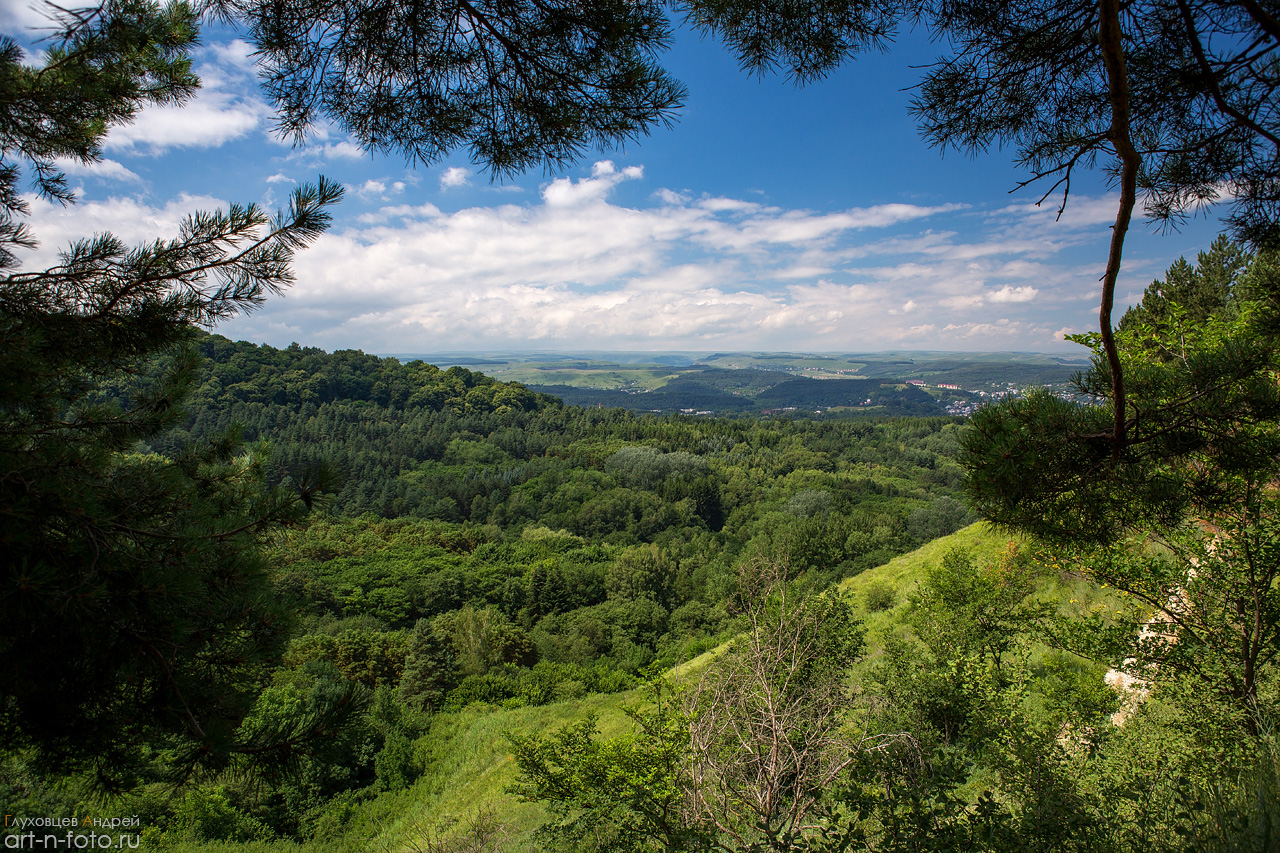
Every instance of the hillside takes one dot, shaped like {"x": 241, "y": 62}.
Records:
{"x": 469, "y": 765}
{"x": 495, "y": 563}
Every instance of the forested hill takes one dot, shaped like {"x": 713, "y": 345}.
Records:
{"x": 366, "y": 418}
{"x": 298, "y": 376}
{"x": 456, "y": 445}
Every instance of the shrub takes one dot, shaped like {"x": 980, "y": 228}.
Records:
{"x": 878, "y": 596}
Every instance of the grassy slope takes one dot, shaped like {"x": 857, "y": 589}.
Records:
{"x": 475, "y": 767}
{"x": 470, "y": 763}
{"x": 905, "y": 571}
{"x": 1073, "y": 596}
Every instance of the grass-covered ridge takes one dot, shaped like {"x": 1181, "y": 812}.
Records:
{"x": 466, "y": 760}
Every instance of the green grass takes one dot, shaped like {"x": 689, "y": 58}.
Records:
{"x": 467, "y": 755}
{"x": 904, "y": 572}
{"x": 473, "y": 764}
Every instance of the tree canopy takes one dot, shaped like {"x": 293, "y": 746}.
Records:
{"x": 134, "y": 603}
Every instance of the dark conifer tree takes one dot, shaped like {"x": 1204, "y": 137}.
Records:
{"x": 430, "y": 671}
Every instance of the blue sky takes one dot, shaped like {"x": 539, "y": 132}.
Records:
{"x": 768, "y": 218}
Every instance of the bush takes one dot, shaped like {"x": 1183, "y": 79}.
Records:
{"x": 878, "y": 596}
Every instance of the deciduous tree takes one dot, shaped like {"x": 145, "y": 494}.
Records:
{"x": 768, "y": 731}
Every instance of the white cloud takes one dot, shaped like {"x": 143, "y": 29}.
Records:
{"x": 1001, "y": 329}
{"x": 236, "y": 54}
{"x": 227, "y": 107}
{"x": 107, "y": 170}
{"x": 399, "y": 211}
{"x": 455, "y": 176}
{"x": 1026, "y": 293}
{"x": 962, "y": 302}
{"x": 728, "y": 205}
{"x": 26, "y": 19}
{"x": 129, "y": 219}
{"x": 373, "y": 190}
{"x": 280, "y": 178}
{"x": 564, "y": 192}
{"x": 670, "y": 196}
{"x": 211, "y": 119}
{"x": 578, "y": 268}
{"x": 768, "y": 225}
{"x": 1081, "y": 212}
{"x": 342, "y": 151}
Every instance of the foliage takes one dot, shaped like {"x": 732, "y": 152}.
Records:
{"x": 967, "y": 609}
{"x": 1201, "y": 410}
{"x": 1199, "y": 100}
{"x": 518, "y": 85}
{"x": 481, "y": 832}
{"x": 482, "y": 639}
{"x": 365, "y": 656}
{"x": 132, "y": 578}
{"x": 430, "y": 669}
{"x": 739, "y": 761}
{"x": 626, "y": 794}
{"x": 1205, "y": 611}
{"x": 1190, "y": 295}
{"x": 103, "y": 65}
{"x": 878, "y": 596}
{"x": 1197, "y": 566}
{"x": 767, "y": 729}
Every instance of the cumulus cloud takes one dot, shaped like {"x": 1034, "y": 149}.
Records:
{"x": 565, "y": 192}
{"x": 1082, "y": 211}
{"x": 342, "y": 151}
{"x": 455, "y": 176}
{"x": 1002, "y": 328}
{"x": 375, "y": 190}
{"x": 28, "y": 20}
{"x": 129, "y": 219}
{"x": 236, "y": 54}
{"x": 729, "y": 205}
{"x": 577, "y": 268}
{"x": 962, "y": 302}
{"x": 106, "y": 170}
{"x": 668, "y": 196}
{"x": 1026, "y": 293}
{"x": 320, "y": 151}
{"x": 212, "y": 119}
{"x": 227, "y": 107}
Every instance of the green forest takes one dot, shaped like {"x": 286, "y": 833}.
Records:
{"x": 263, "y": 599}
{"x": 684, "y": 596}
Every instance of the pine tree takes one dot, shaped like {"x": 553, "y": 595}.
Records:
{"x": 133, "y": 602}
{"x": 429, "y": 670}
{"x": 1203, "y": 415}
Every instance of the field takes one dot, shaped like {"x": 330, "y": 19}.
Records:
{"x": 771, "y": 383}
